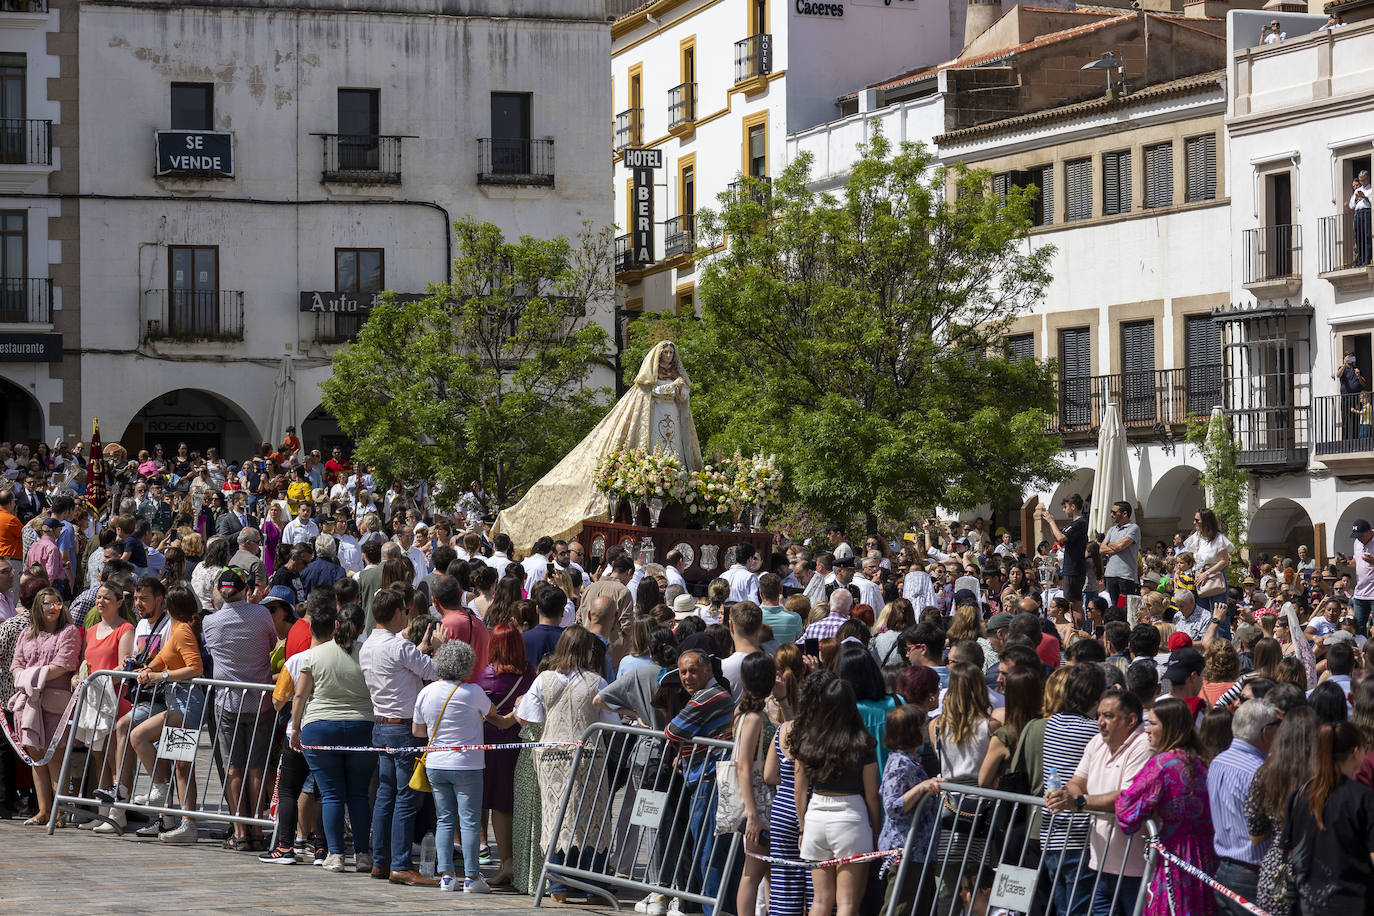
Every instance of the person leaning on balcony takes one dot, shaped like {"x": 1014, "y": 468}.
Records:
{"x": 1359, "y": 203}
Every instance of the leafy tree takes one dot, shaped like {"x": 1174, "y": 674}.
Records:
{"x": 487, "y": 378}
{"x": 860, "y": 338}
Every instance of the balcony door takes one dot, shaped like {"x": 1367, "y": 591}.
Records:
{"x": 1075, "y": 378}
{"x": 13, "y": 261}
{"x": 1278, "y": 384}
{"x": 510, "y": 132}
{"x": 359, "y": 126}
{"x": 1138, "y": 373}
{"x": 1278, "y": 226}
{"x": 193, "y": 291}
{"x": 13, "y": 108}
{"x": 359, "y": 271}
{"x": 1202, "y": 361}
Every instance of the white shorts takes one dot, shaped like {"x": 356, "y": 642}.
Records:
{"x": 836, "y": 826}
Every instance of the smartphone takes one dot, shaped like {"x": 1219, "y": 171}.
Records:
{"x": 812, "y": 646}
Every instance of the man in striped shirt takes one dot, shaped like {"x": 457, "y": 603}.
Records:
{"x": 1064, "y": 837}
{"x": 1228, "y": 784}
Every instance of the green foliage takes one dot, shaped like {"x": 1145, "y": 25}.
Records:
{"x": 1226, "y": 484}
{"x": 486, "y": 378}
{"x": 861, "y": 338}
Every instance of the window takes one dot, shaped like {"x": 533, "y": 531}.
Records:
{"x": 193, "y": 106}
{"x": 1202, "y": 361}
{"x": 510, "y": 132}
{"x": 758, "y": 16}
{"x": 1075, "y": 376}
{"x": 1200, "y": 167}
{"x": 13, "y": 79}
{"x": 359, "y": 125}
{"x": 1042, "y": 179}
{"x": 1138, "y": 371}
{"x": 687, "y": 206}
{"x": 1021, "y": 346}
{"x": 758, "y": 151}
{"x": 1078, "y": 189}
{"x": 686, "y": 301}
{"x": 1116, "y": 183}
{"x": 356, "y": 270}
{"x": 13, "y": 265}
{"x": 193, "y": 297}
{"x": 1159, "y": 175}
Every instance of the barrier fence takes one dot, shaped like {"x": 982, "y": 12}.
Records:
{"x": 213, "y": 744}
{"x": 637, "y": 813}
{"x": 1026, "y": 858}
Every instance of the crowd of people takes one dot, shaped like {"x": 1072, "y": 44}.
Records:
{"x": 1122, "y": 682}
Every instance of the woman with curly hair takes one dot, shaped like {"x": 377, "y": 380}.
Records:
{"x": 836, "y": 759}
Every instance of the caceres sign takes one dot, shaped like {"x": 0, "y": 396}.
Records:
{"x": 338, "y": 303}
{"x": 824, "y": 10}
{"x": 195, "y": 152}
{"x": 30, "y": 348}
{"x": 642, "y": 163}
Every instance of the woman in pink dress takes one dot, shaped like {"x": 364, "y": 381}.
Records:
{"x": 44, "y": 659}
{"x": 108, "y": 643}
{"x": 1172, "y": 790}
{"x": 272, "y": 524}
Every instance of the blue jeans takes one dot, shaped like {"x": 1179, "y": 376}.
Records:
{"x": 1072, "y": 892}
{"x": 1125, "y": 898}
{"x": 393, "y": 814}
{"x": 343, "y": 778}
{"x": 1241, "y": 880}
{"x": 701, "y": 828}
{"x": 1363, "y": 607}
{"x": 457, "y": 801}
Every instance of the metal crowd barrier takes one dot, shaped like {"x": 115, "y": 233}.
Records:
{"x": 237, "y": 729}
{"x": 1016, "y": 845}
{"x": 645, "y": 808}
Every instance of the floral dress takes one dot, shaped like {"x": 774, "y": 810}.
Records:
{"x": 1172, "y": 789}
{"x": 1259, "y": 823}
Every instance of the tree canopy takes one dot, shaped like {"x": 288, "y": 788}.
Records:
{"x": 860, "y": 336}
{"x": 488, "y": 377}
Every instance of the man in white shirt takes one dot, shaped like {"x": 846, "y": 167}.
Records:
{"x": 500, "y": 556}
{"x": 537, "y": 563}
{"x": 1360, "y": 198}
{"x": 301, "y": 528}
{"x": 746, "y": 620}
{"x": 814, "y": 587}
{"x": 744, "y": 585}
{"x": 577, "y": 562}
{"x": 838, "y": 545}
{"x": 869, "y": 591}
{"x": 406, "y": 538}
{"x": 1006, "y": 548}
{"x": 673, "y": 565}
{"x": 350, "y": 553}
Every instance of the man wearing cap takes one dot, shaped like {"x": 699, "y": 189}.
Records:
{"x": 1184, "y": 675}
{"x": 844, "y": 575}
{"x": 1362, "y": 599}
{"x": 240, "y": 637}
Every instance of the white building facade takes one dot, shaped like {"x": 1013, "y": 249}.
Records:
{"x": 241, "y": 165}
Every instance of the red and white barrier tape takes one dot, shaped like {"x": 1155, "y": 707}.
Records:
{"x": 58, "y": 734}
{"x": 1214, "y": 884}
{"x": 842, "y": 860}
{"x": 366, "y": 749}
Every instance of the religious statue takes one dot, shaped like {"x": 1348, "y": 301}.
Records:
{"x": 654, "y": 414}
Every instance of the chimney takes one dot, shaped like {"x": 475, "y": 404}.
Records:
{"x": 980, "y": 17}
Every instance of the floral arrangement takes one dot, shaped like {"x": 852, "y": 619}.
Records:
{"x": 718, "y": 492}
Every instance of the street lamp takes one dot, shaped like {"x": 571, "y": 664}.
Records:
{"x": 1109, "y": 61}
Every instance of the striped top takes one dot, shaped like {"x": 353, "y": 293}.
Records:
{"x": 1066, "y": 737}
{"x": 1228, "y": 783}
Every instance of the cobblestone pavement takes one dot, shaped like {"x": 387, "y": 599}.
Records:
{"x": 78, "y": 874}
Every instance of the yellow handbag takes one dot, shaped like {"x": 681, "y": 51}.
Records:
{"x": 419, "y": 779}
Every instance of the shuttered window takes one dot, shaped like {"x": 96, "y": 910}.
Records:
{"x": 1078, "y": 189}
{"x": 1000, "y": 183}
{"x": 1116, "y": 183}
{"x": 1159, "y": 175}
{"x": 1046, "y": 194}
{"x": 1021, "y": 346}
{"x": 1202, "y": 349}
{"x": 1075, "y": 377}
{"x": 1041, "y": 178}
{"x": 1138, "y": 401}
{"x": 1200, "y": 163}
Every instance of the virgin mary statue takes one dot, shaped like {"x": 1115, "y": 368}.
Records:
{"x": 654, "y": 414}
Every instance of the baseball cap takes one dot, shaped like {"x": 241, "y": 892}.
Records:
{"x": 1360, "y": 527}
{"x": 1182, "y": 663}
{"x": 1179, "y": 640}
{"x": 999, "y": 621}
{"x": 282, "y": 593}
{"x": 232, "y": 579}
{"x": 684, "y": 606}
{"x": 52, "y": 523}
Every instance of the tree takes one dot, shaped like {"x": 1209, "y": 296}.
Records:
{"x": 860, "y": 338}
{"x": 487, "y": 378}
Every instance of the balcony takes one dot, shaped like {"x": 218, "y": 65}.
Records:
{"x": 682, "y": 106}
{"x": 361, "y": 159}
{"x": 24, "y": 13}
{"x": 1273, "y": 261}
{"x": 1341, "y": 438}
{"x": 1345, "y": 254}
{"x": 758, "y": 188}
{"x": 1272, "y": 438}
{"x": 753, "y": 61}
{"x": 25, "y": 300}
{"x": 337, "y": 329}
{"x": 624, "y": 255}
{"x": 192, "y": 315}
{"x": 680, "y": 236}
{"x": 629, "y": 129}
{"x": 515, "y": 161}
{"x": 25, "y": 152}
{"x": 1153, "y": 404}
